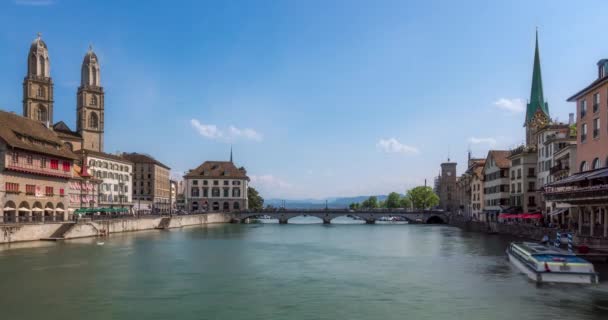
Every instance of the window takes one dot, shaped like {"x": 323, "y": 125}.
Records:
{"x": 11, "y": 187}
{"x": 204, "y": 182}
{"x": 30, "y": 189}
{"x": 583, "y": 132}
{"x": 93, "y": 121}
{"x": 48, "y": 191}
{"x": 519, "y": 173}
{"x": 41, "y": 113}
{"x": 584, "y": 166}
{"x": 596, "y": 127}
{"x": 61, "y": 192}
{"x": 227, "y": 193}
{"x": 596, "y": 163}
{"x": 55, "y": 164}
{"x": 195, "y": 182}
{"x": 205, "y": 192}
{"x": 596, "y": 102}
{"x": 531, "y": 201}
{"x": 15, "y": 157}
{"x": 93, "y": 100}
{"x": 531, "y": 186}
{"x": 215, "y": 192}
{"x": 30, "y": 159}
{"x": 236, "y": 192}
{"x": 66, "y": 166}
{"x": 583, "y": 108}
{"x": 43, "y": 163}
{"x": 226, "y": 182}
{"x": 519, "y": 187}
{"x": 530, "y": 172}
{"x": 115, "y": 188}
{"x": 40, "y": 92}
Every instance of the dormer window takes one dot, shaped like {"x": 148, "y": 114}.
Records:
{"x": 602, "y": 68}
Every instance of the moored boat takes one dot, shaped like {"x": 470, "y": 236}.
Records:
{"x": 549, "y": 264}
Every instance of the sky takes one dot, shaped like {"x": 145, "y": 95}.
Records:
{"x": 317, "y": 98}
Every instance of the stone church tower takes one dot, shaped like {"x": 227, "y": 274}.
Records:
{"x": 90, "y": 104}
{"x": 38, "y": 85}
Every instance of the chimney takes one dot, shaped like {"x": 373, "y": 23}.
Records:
{"x": 570, "y": 119}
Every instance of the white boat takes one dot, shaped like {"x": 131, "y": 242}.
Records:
{"x": 543, "y": 263}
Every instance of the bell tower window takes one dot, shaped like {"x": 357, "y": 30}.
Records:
{"x": 93, "y": 100}
{"x": 41, "y": 113}
{"x": 93, "y": 121}
{"x": 40, "y": 92}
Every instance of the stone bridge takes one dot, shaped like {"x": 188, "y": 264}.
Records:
{"x": 369, "y": 216}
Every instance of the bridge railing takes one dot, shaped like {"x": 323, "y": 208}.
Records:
{"x": 341, "y": 210}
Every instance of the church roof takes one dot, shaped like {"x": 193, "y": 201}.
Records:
{"x": 63, "y": 131}
{"x": 89, "y": 56}
{"x": 38, "y": 42}
{"x": 537, "y": 99}
{"x": 217, "y": 169}
{"x": 31, "y": 135}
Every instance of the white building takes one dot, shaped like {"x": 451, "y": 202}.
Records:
{"x": 115, "y": 173}
{"x": 216, "y": 186}
{"x": 496, "y": 183}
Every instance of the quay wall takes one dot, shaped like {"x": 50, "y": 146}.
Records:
{"x": 529, "y": 232}
{"x": 88, "y": 228}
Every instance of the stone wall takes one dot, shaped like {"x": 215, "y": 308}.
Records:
{"x": 88, "y": 228}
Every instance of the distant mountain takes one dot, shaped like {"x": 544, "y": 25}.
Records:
{"x": 334, "y": 203}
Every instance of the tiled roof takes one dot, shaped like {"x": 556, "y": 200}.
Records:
{"x": 31, "y": 135}
{"x": 500, "y": 158}
{"x": 217, "y": 169}
{"x": 103, "y": 155}
{"x": 143, "y": 158}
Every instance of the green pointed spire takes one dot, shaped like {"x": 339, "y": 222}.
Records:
{"x": 537, "y": 99}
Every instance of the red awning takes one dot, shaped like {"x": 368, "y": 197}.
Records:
{"x": 520, "y": 216}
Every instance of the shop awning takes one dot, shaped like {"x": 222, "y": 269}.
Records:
{"x": 24, "y": 209}
{"x": 37, "y": 210}
{"x": 59, "y": 210}
{"x": 591, "y": 174}
{"x": 520, "y": 216}
{"x": 8, "y": 209}
{"x": 558, "y": 211}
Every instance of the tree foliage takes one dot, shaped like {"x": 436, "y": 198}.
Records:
{"x": 256, "y": 202}
{"x": 370, "y": 203}
{"x": 422, "y": 197}
{"x": 393, "y": 200}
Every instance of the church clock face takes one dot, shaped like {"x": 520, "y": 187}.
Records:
{"x": 449, "y": 173}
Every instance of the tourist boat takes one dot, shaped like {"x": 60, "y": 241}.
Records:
{"x": 542, "y": 264}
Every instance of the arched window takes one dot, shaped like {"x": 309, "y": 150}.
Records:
{"x": 41, "y": 114}
{"x": 596, "y": 163}
{"x": 584, "y": 166}
{"x": 42, "y": 65}
{"x": 93, "y": 100}
{"x": 94, "y": 75}
{"x": 226, "y": 206}
{"x": 32, "y": 64}
{"x": 236, "y": 206}
{"x": 40, "y": 92}
{"x": 93, "y": 121}
{"x": 194, "y": 206}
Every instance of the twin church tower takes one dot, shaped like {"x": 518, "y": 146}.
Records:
{"x": 38, "y": 103}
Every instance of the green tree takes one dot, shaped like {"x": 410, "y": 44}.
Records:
{"x": 256, "y": 202}
{"x": 354, "y": 206}
{"x": 393, "y": 200}
{"x": 422, "y": 197}
{"x": 371, "y": 202}
{"x": 405, "y": 202}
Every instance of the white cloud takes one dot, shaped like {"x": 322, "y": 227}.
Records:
{"x": 392, "y": 145}
{"x": 211, "y": 131}
{"x": 268, "y": 181}
{"x": 34, "y": 2}
{"x": 512, "y": 105}
{"x": 246, "y": 133}
{"x": 489, "y": 141}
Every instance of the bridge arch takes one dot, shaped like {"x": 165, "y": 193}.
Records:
{"x": 435, "y": 219}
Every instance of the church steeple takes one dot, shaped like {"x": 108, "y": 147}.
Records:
{"x": 37, "y": 84}
{"x": 537, "y": 98}
{"x": 90, "y": 107}
{"x": 537, "y": 110}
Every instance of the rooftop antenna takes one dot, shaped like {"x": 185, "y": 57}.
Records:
{"x": 448, "y": 153}
{"x": 230, "y": 153}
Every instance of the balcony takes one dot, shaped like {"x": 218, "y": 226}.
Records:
{"x": 558, "y": 169}
{"x": 578, "y": 194}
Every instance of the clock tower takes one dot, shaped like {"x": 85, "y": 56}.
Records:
{"x": 537, "y": 110}
{"x": 447, "y": 186}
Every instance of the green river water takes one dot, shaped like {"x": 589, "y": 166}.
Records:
{"x": 294, "y": 271}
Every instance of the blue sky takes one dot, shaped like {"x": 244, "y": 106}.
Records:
{"x": 318, "y": 98}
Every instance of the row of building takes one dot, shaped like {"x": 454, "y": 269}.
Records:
{"x": 49, "y": 172}
{"x": 559, "y": 175}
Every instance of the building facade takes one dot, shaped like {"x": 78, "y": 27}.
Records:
{"x": 216, "y": 186}
{"x": 524, "y": 196}
{"x": 115, "y": 175}
{"x": 496, "y": 183}
{"x": 83, "y": 189}
{"x": 35, "y": 168}
{"x": 151, "y": 183}
{"x": 477, "y": 191}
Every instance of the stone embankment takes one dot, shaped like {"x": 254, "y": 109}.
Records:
{"x": 526, "y": 231}
{"x": 92, "y": 228}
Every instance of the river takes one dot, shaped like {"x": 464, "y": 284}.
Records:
{"x": 294, "y": 271}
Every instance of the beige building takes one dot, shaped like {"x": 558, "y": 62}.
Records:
{"x": 496, "y": 183}
{"x": 216, "y": 186}
{"x": 83, "y": 189}
{"x": 35, "y": 168}
{"x": 524, "y": 196}
{"x": 151, "y": 183}
{"x": 477, "y": 196}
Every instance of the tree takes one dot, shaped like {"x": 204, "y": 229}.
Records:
{"x": 422, "y": 197}
{"x": 256, "y": 202}
{"x": 354, "y": 205}
{"x": 405, "y": 202}
{"x": 371, "y": 202}
{"x": 393, "y": 200}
